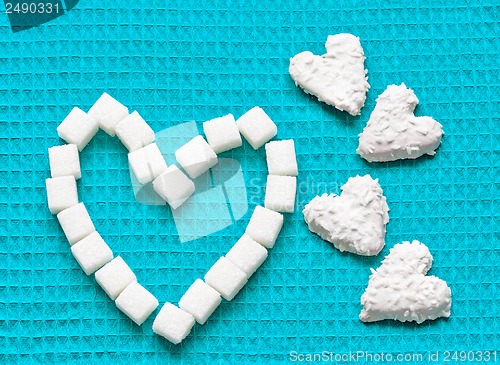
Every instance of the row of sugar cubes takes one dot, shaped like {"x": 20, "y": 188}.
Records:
{"x": 146, "y": 161}
{"x": 225, "y": 278}
{"x": 87, "y": 246}
{"x": 78, "y": 128}
{"x": 232, "y": 271}
{"x": 94, "y": 256}
{"x": 197, "y": 156}
{"x": 113, "y": 274}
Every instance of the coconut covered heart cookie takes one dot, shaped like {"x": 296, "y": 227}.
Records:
{"x": 394, "y": 132}
{"x": 337, "y": 78}
{"x": 399, "y": 289}
{"x": 354, "y": 221}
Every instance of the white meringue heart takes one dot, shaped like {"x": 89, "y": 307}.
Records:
{"x": 394, "y": 132}
{"x": 337, "y": 78}
{"x": 354, "y": 221}
{"x": 399, "y": 289}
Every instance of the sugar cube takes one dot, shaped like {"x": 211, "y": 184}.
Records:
{"x": 136, "y": 302}
{"x": 114, "y": 277}
{"x": 196, "y": 157}
{"x": 64, "y": 160}
{"x": 92, "y": 253}
{"x": 226, "y": 278}
{"x": 147, "y": 163}
{"x": 264, "y": 226}
{"x": 281, "y": 159}
{"x": 173, "y": 323}
{"x": 200, "y": 300}
{"x": 76, "y": 223}
{"x": 256, "y": 126}
{"x": 61, "y": 193}
{"x": 78, "y": 128}
{"x": 134, "y": 132}
{"x": 222, "y": 133}
{"x": 280, "y": 193}
{"x": 173, "y": 186}
{"x": 247, "y": 254}
{"x": 108, "y": 112}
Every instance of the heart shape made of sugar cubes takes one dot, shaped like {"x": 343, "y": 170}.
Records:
{"x": 393, "y": 132}
{"x": 353, "y": 221}
{"x": 175, "y": 185}
{"x": 399, "y": 289}
{"x": 337, "y": 78}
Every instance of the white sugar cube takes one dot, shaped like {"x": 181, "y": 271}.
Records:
{"x": 173, "y": 323}
{"x": 256, "y": 126}
{"x": 222, "y": 133}
{"x": 281, "y": 159}
{"x": 196, "y": 157}
{"x": 247, "y": 254}
{"x": 280, "y": 193}
{"x": 173, "y": 186}
{"x": 147, "y": 163}
{"x": 264, "y": 226}
{"x": 114, "y": 277}
{"x": 136, "y": 302}
{"x": 61, "y": 193}
{"x": 78, "y": 128}
{"x": 92, "y": 253}
{"x": 65, "y": 160}
{"x": 76, "y": 223}
{"x": 226, "y": 278}
{"x": 108, "y": 112}
{"x": 200, "y": 300}
{"x": 134, "y": 132}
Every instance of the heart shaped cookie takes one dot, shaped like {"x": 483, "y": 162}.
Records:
{"x": 337, "y": 78}
{"x": 394, "y": 132}
{"x": 354, "y": 221}
{"x": 399, "y": 289}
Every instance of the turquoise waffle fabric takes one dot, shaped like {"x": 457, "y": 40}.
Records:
{"x": 185, "y": 60}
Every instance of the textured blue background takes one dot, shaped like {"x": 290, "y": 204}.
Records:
{"x": 195, "y": 60}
